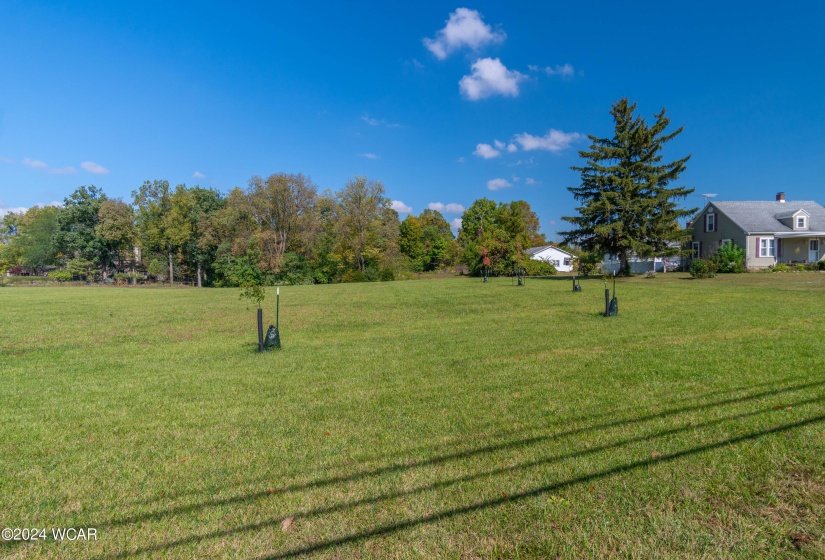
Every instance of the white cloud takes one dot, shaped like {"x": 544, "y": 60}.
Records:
{"x": 368, "y": 156}
{"x": 497, "y": 184}
{"x": 460, "y": 159}
{"x": 18, "y": 210}
{"x": 465, "y": 28}
{"x": 22, "y": 209}
{"x": 486, "y": 151}
{"x": 400, "y": 207}
{"x": 6, "y": 160}
{"x": 377, "y": 122}
{"x": 92, "y": 167}
{"x": 34, "y": 163}
{"x": 498, "y": 144}
{"x": 61, "y": 170}
{"x": 198, "y": 175}
{"x": 490, "y": 77}
{"x": 511, "y": 147}
{"x": 456, "y": 224}
{"x": 553, "y": 141}
{"x": 516, "y": 178}
{"x": 451, "y": 208}
{"x": 566, "y": 71}
{"x": 530, "y": 181}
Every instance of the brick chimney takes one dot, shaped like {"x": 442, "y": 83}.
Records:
{"x": 780, "y": 197}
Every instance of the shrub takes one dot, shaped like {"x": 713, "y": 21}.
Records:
{"x": 779, "y": 267}
{"x": 387, "y": 275}
{"x": 799, "y": 267}
{"x": 60, "y": 275}
{"x": 353, "y": 276}
{"x": 701, "y": 268}
{"x": 158, "y": 269}
{"x": 533, "y": 267}
{"x": 821, "y": 265}
{"x": 587, "y": 263}
{"x": 729, "y": 258}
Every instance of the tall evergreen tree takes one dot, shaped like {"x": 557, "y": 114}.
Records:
{"x": 627, "y": 206}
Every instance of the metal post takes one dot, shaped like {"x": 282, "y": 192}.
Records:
{"x": 260, "y": 330}
{"x": 607, "y": 302}
{"x": 277, "y": 304}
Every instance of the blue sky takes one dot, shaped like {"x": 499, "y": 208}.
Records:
{"x": 442, "y": 102}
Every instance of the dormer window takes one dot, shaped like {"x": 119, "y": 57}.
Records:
{"x": 801, "y": 222}
{"x": 710, "y": 220}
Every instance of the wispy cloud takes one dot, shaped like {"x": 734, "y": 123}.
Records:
{"x": 451, "y": 208}
{"x": 400, "y": 207}
{"x": 6, "y": 160}
{"x": 530, "y": 181}
{"x": 456, "y": 224}
{"x": 93, "y": 167}
{"x": 566, "y": 71}
{"x": 460, "y": 159}
{"x": 198, "y": 175}
{"x": 498, "y": 184}
{"x": 486, "y": 151}
{"x": 378, "y": 122}
{"x": 22, "y": 209}
{"x": 465, "y": 28}
{"x": 69, "y": 170}
{"x": 490, "y": 77}
{"x": 553, "y": 141}
{"x": 368, "y": 156}
{"x": 34, "y": 163}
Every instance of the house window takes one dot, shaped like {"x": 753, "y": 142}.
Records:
{"x": 554, "y": 262}
{"x": 694, "y": 250}
{"x": 766, "y": 247}
{"x": 801, "y": 222}
{"x": 711, "y": 221}
{"x": 566, "y": 262}
{"x": 724, "y": 241}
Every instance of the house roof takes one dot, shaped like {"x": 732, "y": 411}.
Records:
{"x": 763, "y": 216}
{"x": 534, "y": 250}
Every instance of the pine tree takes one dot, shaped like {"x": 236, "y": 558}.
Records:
{"x": 626, "y": 205}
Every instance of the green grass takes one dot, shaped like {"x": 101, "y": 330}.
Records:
{"x": 447, "y": 418}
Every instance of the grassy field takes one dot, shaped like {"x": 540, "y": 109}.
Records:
{"x": 420, "y": 419}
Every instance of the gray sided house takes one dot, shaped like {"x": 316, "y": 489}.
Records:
{"x": 771, "y": 232}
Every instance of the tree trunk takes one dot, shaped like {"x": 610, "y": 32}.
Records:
{"x": 134, "y": 276}
{"x": 171, "y": 269}
{"x": 199, "y": 276}
{"x": 622, "y": 263}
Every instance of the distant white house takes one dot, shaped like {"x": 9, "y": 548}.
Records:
{"x": 612, "y": 265}
{"x": 562, "y": 260}
{"x": 639, "y": 265}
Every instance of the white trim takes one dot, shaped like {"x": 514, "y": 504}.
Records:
{"x": 767, "y": 247}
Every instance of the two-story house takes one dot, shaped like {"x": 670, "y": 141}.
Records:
{"x": 771, "y": 232}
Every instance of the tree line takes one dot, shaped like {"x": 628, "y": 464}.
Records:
{"x": 280, "y": 229}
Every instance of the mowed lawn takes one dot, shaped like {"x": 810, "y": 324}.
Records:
{"x": 419, "y": 419}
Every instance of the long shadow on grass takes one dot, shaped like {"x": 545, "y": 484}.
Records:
{"x": 567, "y": 420}
{"x": 441, "y": 459}
{"x": 476, "y": 476}
{"x": 447, "y": 514}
